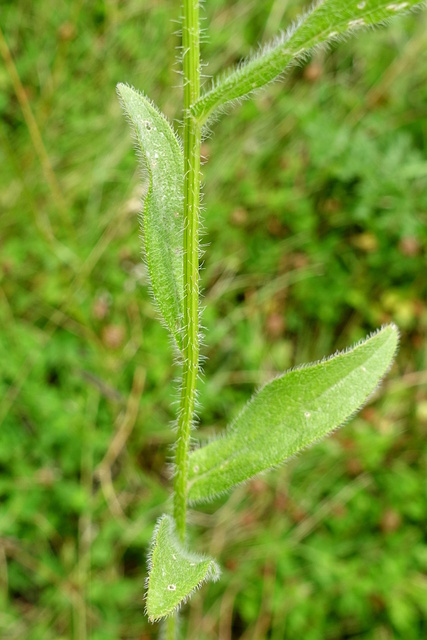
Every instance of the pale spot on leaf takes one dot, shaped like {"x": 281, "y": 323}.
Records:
{"x": 398, "y": 6}
{"x": 356, "y": 23}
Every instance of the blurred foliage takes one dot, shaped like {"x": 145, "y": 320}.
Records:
{"x": 316, "y": 212}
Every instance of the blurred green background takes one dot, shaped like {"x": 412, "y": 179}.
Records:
{"x": 315, "y": 229}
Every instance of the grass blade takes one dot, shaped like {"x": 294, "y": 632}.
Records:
{"x": 290, "y": 413}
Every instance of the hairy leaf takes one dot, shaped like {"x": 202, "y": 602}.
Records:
{"x": 162, "y": 160}
{"x": 327, "y": 21}
{"x": 174, "y": 572}
{"x": 290, "y": 413}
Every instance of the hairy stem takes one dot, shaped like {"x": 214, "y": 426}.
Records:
{"x": 192, "y": 138}
{"x": 192, "y": 141}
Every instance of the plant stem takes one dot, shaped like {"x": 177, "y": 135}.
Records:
{"x": 169, "y": 628}
{"x": 192, "y": 140}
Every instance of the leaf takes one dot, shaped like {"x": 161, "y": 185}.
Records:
{"x": 290, "y": 413}
{"x": 161, "y": 158}
{"x": 327, "y": 21}
{"x": 174, "y": 572}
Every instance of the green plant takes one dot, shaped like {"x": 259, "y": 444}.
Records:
{"x": 294, "y": 410}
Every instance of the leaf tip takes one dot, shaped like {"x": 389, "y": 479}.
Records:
{"x": 121, "y": 88}
{"x": 393, "y": 332}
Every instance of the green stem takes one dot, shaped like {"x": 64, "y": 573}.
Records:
{"x": 192, "y": 141}
{"x": 169, "y": 628}
{"x": 192, "y": 136}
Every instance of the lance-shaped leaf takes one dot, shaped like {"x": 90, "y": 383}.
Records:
{"x": 174, "y": 572}
{"x": 290, "y": 413}
{"x": 327, "y": 21}
{"x": 162, "y": 162}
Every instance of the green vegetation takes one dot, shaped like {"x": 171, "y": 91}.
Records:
{"x": 291, "y": 411}
{"x": 316, "y": 217}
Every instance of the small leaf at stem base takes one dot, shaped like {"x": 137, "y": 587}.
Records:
{"x": 174, "y": 572}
